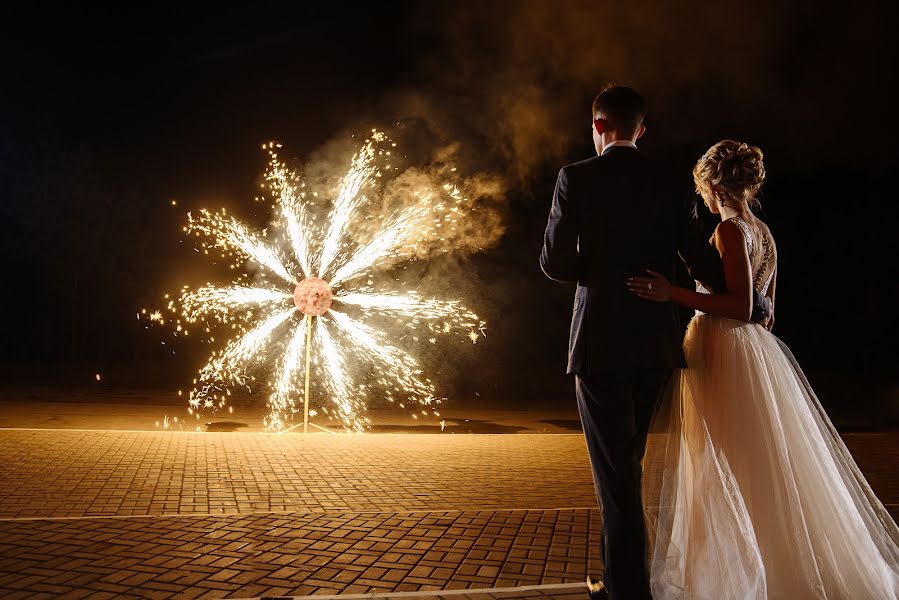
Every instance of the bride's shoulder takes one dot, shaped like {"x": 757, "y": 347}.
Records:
{"x": 737, "y": 230}
{"x": 729, "y": 228}
{"x": 731, "y": 233}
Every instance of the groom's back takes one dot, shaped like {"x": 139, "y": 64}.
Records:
{"x": 627, "y": 220}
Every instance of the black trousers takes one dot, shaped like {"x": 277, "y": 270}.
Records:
{"x": 616, "y": 407}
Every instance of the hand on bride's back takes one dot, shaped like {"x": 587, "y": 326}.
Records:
{"x": 769, "y": 322}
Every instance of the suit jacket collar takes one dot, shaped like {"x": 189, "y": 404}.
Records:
{"x": 619, "y": 148}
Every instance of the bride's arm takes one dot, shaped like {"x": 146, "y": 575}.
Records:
{"x": 735, "y": 303}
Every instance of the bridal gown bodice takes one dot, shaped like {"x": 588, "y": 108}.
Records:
{"x": 762, "y": 254}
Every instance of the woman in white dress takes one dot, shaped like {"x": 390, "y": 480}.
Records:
{"x": 760, "y": 497}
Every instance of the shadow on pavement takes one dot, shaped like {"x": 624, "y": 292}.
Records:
{"x": 452, "y": 426}
{"x": 224, "y": 426}
{"x": 570, "y": 424}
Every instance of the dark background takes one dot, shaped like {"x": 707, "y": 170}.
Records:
{"x": 108, "y": 116}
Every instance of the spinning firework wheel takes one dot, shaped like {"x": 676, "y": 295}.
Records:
{"x": 322, "y": 259}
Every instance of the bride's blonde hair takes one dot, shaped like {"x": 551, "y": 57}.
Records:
{"x": 736, "y": 169}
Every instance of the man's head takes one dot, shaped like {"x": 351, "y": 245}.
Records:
{"x": 618, "y": 114}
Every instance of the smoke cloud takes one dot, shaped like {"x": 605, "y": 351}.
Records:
{"x": 519, "y": 77}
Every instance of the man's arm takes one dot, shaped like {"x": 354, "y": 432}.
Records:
{"x": 559, "y": 257}
{"x": 702, "y": 260}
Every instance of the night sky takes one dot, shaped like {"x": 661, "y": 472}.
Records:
{"x": 108, "y": 116}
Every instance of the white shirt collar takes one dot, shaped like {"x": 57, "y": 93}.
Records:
{"x": 621, "y": 143}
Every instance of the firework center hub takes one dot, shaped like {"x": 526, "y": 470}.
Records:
{"x": 313, "y": 296}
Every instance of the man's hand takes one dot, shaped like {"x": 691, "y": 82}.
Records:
{"x": 769, "y": 322}
{"x": 762, "y": 308}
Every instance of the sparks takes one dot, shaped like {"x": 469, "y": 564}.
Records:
{"x": 285, "y": 317}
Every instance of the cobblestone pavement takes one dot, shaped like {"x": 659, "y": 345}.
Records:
{"x": 98, "y": 473}
{"x": 559, "y": 591}
{"x": 228, "y": 515}
{"x": 296, "y": 554}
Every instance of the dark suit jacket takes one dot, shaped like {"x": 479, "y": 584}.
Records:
{"x": 613, "y": 216}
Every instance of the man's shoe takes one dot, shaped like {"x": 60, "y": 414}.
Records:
{"x": 596, "y": 589}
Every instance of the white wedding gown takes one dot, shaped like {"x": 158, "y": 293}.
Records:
{"x": 760, "y": 497}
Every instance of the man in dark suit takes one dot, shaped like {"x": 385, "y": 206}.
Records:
{"x": 614, "y": 216}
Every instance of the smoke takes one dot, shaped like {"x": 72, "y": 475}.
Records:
{"x": 458, "y": 210}
{"x": 502, "y": 91}
{"x": 519, "y": 77}
{"x": 479, "y": 198}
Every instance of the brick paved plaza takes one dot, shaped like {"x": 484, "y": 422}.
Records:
{"x": 112, "y": 514}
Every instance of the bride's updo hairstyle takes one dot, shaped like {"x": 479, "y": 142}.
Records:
{"x": 735, "y": 169}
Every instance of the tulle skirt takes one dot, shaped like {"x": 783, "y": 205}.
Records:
{"x": 759, "y": 496}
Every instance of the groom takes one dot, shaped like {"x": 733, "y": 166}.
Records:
{"x": 612, "y": 217}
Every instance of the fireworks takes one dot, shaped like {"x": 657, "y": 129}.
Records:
{"x": 311, "y": 309}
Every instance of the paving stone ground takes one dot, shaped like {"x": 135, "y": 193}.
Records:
{"x": 112, "y": 514}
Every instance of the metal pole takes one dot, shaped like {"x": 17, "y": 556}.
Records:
{"x": 308, "y": 357}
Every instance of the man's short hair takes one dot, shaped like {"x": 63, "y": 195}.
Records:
{"x": 622, "y": 107}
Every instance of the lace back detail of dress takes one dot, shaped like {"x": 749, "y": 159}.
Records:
{"x": 762, "y": 259}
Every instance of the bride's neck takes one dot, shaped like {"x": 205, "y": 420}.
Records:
{"x": 734, "y": 209}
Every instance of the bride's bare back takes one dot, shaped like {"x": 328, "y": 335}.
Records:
{"x": 762, "y": 253}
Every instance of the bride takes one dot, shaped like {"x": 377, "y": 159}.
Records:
{"x": 760, "y": 497}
